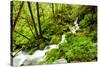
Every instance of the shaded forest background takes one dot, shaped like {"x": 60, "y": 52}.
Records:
{"x": 35, "y": 25}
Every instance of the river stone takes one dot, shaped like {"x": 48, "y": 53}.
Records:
{"x": 60, "y": 61}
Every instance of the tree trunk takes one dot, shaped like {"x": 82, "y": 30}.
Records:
{"x": 52, "y": 10}
{"x": 29, "y": 6}
{"x": 15, "y": 22}
{"x": 37, "y": 6}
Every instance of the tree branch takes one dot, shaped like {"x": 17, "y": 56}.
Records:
{"x": 15, "y": 22}
{"x": 53, "y": 9}
{"x": 30, "y": 27}
{"x": 22, "y": 35}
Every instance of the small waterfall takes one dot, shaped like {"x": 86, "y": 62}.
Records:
{"x": 22, "y": 58}
{"x": 75, "y": 27}
{"x": 39, "y": 55}
{"x": 63, "y": 39}
{"x": 19, "y": 58}
{"x": 35, "y": 58}
{"x": 50, "y": 47}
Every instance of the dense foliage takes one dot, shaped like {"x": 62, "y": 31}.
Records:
{"x": 52, "y": 20}
{"x": 79, "y": 49}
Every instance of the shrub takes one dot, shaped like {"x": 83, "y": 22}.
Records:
{"x": 81, "y": 49}
{"x": 77, "y": 48}
{"x": 52, "y": 55}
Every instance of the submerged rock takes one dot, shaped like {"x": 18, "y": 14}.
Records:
{"x": 60, "y": 61}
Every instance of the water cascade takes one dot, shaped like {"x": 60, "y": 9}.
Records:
{"x": 75, "y": 27}
{"x": 22, "y": 58}
{"x": 63, "y": 39}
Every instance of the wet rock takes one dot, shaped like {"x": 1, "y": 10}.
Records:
{"x": 60, "y": 61}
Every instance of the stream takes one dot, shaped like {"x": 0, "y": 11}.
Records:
{"x": 22, "y": 58}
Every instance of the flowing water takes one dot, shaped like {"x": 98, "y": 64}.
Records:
{"x": 22, "y": 58}
{"x": 75, "y": 27}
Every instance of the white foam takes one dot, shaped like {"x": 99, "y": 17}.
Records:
{"x": 76, "y": 26}
{"x": 39, "y": 55}
{"x": 63, "y": 39}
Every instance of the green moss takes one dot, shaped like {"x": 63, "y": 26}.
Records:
{"x": 81, "y": 49}
{"x": 77, "y": 48}
{"x": 41, "y": 46}
{"x": 31, "y": 51}
{"x": 55, "y": 39}
{"x": 52, "y": 55}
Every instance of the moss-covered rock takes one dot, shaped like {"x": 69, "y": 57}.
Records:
{"x": 41, "y": 46}
{"x": 52, "y": 55}
{"x": 55, "y": 39}
{"x": 31, "y": 51}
